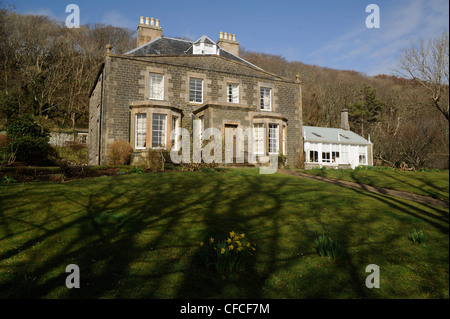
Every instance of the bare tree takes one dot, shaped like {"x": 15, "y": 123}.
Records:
{"x": 427, "y": 64}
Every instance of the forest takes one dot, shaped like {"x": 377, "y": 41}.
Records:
{"x": 47, "y": 71}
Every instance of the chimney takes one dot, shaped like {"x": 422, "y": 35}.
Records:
{"x": 228, "y": 42}
{"x": 147, "y": 31}
{"x": 344, "y": 119}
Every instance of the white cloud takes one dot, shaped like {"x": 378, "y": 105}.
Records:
{"x": 45, "y": 12}
{"x": 376, "y": 51}
{"x": 117, "y": 19}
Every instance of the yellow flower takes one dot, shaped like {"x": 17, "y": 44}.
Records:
{"x": 230, "y": 247}
{"x": 222, "y": 251}
{"x": 201, "y": 244}
{"x": 238, "y": 243}
{"x": 229, "y": 240}
{"x": 211, "y": 240}
{"x": 232, "y": 234}
{"x": 248, "y": 244}
{"x": 237, "y": 238}
{"x": 242, "y": 235}
{"x": 239, "y": 248}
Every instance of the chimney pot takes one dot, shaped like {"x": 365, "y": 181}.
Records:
{"x": 152, "y": 21}
{"x": 344, "y": 119}
{"x": 157, "y": 22}
{"x": 220, "y": 35}
{"x": 142, "y": 20}
{"x": 147, "y": 21}
{"x": 225, "y": 35}
{"x": 234, "y": 37}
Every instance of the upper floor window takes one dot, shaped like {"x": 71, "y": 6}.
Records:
{"x": 196, "y": 90}
{"x": 266, "y": 100}
{"x": 156, "y": 86}
{"x": 232, "y": 93}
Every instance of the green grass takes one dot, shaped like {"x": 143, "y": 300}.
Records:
{"x": 434, "y": 184}
{"x": 137, "y": 236}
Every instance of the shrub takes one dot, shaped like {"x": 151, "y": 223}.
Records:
{"x": 30, "y": 139}
{"x": 417, "y": 236}
{"x": 8, "y": 180}
{"x": 227, "y": 255}
{"x": 329, "y": 247}
{"x": 120, "y": 153}
{"x": 136, "y": 170}
{"x": 282, "y": 160}
{"x": 205, "y": 167}
{"x": 155, "y": 160}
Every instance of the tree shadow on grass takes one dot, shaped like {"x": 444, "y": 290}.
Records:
{"x": 138, "y": 237}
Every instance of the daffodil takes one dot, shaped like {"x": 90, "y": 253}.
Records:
{"x": 211, "y": 240}
{"x": 201, "y": 244}
{"x": 232, "y": 234}
{"x": 222, "y": 251}
{"x": 242, "y": 235}
{"x": 239, "y": 248}
{"x": 230, "y": 247}
{"x": 229, "y": 240}
{"x": 238, "y": 243}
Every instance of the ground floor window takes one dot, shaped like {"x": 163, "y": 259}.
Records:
{"x": 362, "y": 155}
{"x": 326, "y": 157}
{"x": 159, "y": 131}
{"x": 259, "y": 138}
{"x": 273, "y": 138}
{"x": 334, "y": 156}
{"x": 141, "y": 130}
{"x": 314, "y": 156}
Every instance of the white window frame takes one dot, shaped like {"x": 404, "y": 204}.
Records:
{"x": 265, "y": 99}
{"x": 259, "y": 138}
{"x": 156, "y": 86}
{"x": 274, "y": 128}
{"x": 161, "y": 129}
{"x": 175, "y": 123}
{"x": 195, "y": 90}
{"x": 141, "y": 131}
{"x": 232, "y": 93}
{"x": 362, "y": 151}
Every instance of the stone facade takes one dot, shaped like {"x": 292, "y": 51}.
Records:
{"x": 122, "y": 91}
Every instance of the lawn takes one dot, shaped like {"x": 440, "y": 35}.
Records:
{"x": 429, "y": 183}
{"x": 137, "y": 236}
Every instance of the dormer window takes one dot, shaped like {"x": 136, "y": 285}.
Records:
{"x": 204, "y": 45}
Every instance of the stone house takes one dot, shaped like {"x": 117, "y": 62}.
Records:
{"x": 167, "y": 83}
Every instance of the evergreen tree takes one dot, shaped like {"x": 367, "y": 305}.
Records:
{"x": 367, "y": 110}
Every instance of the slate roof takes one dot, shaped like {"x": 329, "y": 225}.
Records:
{"x": 332, "y": 135}
{"x": 172, "y": 46}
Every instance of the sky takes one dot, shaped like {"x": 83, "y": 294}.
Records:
{"x": 327, "y": 33}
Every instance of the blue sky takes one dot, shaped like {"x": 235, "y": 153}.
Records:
{"x": 327, "y": 33}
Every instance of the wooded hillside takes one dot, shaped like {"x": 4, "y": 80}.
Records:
{"x": 47, "y": 70}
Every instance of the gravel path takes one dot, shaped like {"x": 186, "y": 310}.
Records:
{"x": 380, "y": 190}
